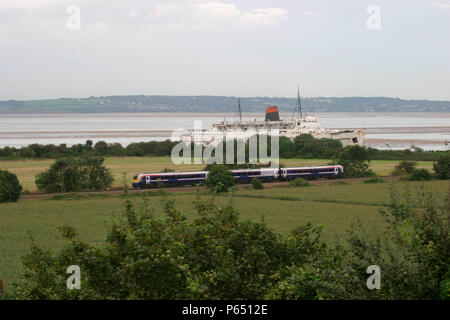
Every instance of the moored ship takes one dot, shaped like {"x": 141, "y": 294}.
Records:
{"x": 290, "y": 128}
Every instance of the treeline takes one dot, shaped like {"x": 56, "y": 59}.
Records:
{"x": 304, "y": 146}
{"x": 101, "y": 148}
{"x": 218, "y": 255}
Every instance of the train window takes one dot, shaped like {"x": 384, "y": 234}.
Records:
{"x": 135, "y": 177}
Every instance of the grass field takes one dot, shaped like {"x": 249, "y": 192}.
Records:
{"x": 26, "y": 170}
{"x": 335, "y": 206}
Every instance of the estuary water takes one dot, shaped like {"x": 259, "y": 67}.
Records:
{"x": 430, "y": 131}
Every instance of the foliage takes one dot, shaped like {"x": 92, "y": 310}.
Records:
{"x": 303, "y": 146}
{"x": 256, "y": 184}
{"x": 299, "y": 182}
{"x": 311, "y": 148}
{"x": 442, "y": 167}
{"x": 404, "y": 167}
{"x": 216, "y": 256}
{"x": 72, "y": 174}
{"x": 420, "y": 175}
{"x": 10, "y": 187}
{"x": 219, "y": 179}
{"x": 220, "y": 256}
{"x": 355, "y": 160}
{"x": 375, "y": 179}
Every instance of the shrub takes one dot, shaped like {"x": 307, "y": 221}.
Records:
{"x": 256, "y": 184}
{"x": 9, "y": 187}
{"x": 404, "y": 167}
{"x": 420, "y": 175}
{"x": 442, "y": 167}
{"x": 71, "y": 174}
{"x": 219, "y": 179}
{"x": 375, "y": 179}
{"x": 299, "y": 182}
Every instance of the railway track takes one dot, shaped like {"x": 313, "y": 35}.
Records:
{"x": 267, "y": 185}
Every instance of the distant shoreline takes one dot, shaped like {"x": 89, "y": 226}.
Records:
{"x": 211, "y": 104}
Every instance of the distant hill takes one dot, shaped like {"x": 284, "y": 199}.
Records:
{"x": 218, "y": 104}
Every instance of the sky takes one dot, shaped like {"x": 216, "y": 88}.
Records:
{"x": 330, "y": 48}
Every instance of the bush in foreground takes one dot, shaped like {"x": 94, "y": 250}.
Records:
{"x": 10, "y": 187}
{"x": 220, "y": 256}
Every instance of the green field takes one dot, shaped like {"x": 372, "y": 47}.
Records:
{"x": 335, "y": 206}
{"x": 26, "y": 170}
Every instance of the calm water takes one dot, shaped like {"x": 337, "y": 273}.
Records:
{"x": 383, "y": 130}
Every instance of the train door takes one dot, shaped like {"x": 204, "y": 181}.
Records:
{"x": 336, "y": 171}
{"x": 283, "y": 173}
{"x": 147, "y": 179}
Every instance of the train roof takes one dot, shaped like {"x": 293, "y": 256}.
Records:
{"x": 172, "y": 173}
{"x": 313, "y": 167}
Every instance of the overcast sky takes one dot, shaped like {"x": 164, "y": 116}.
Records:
{"x": 246, "y": 48}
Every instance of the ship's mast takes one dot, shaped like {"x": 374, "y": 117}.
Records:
{"x": 239, "y": 108}
{"x": 299, "y": 102}
{"x": 298, "y": 107}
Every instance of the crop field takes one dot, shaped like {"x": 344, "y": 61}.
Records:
{"x": 335, "y": 206}
{"x": 26, "y": 170}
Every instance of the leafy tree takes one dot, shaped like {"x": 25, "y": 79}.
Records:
{"x": 442, "y": 167}
{"x": 219, "y": 178}
{"x": 71, "y": 174}
{"x": 101, "y": 148}
{"x": 309, "y": 147}
{"x": 9, "y": 187}
{"x": 355, "y": 160}
{"x": 287, "y": 147}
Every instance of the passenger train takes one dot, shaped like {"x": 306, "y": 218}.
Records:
{"x": 149, "y": 180}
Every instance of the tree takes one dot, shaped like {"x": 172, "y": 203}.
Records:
{"x": 442, "y": 167}
{"x": 355, "y": 160}
{"x": 72, "y": 174}
{"x": 309, "y": 147}
{"x": 219, "y": 178}
{"x": 101, "y": 148}
{"x": 287, "y": 148}
{"x": 9, "y": 187}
